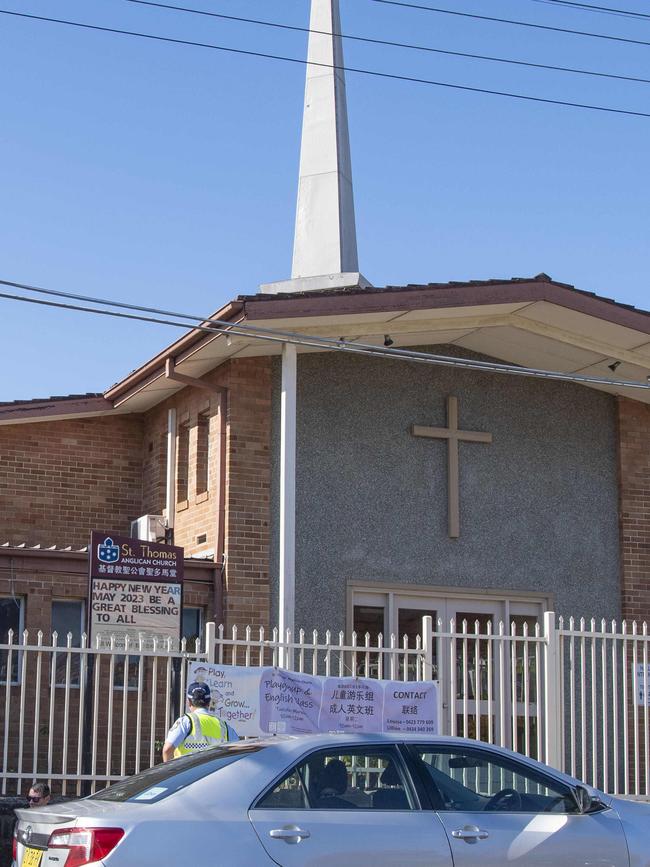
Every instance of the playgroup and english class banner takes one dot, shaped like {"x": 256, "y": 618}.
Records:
{"x": 259, "y": 701}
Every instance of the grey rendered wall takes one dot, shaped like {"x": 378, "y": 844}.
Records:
{"x": 539, "y": 506}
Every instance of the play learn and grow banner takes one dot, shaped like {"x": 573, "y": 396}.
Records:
{"x": 259, "y": 701}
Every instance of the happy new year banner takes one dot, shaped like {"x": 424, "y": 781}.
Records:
{"x": 260, "y": 701}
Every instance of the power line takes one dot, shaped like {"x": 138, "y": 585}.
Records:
{"x": 386, "y": 42}
{"x": 387, "y": 75}
{"x": 272, "y": 335}
{"x": 589, "y": 7}
{"x": 512, "y": 21}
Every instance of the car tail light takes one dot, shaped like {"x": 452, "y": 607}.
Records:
{"x": 85, "y": 845}
{"x": 14, "y": 845}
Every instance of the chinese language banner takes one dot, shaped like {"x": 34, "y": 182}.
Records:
{"x": 259, "y": 701}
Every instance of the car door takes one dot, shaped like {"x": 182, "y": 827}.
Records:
{"x": 497, "y": 810}
{"x": 346, "y": 807}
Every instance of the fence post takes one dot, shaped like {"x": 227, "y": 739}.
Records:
{"x": 427, "y": 646}
{"x": 552, "y": 694}
{"x": 211, "y": 642}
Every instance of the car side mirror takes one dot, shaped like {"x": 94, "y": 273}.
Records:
{"x": 586, "y": 801}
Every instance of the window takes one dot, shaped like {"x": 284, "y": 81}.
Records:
{"x": 133, "y": 667}
{"x": 471, "y": 780}
{"x": 11, "y": 618}
{"x": 68, "y": 619}
{"x": 192, "y": 626}
{"x": 183, "y": 463}
{"x": 203, "y": 454}
{"x": 367, "y": 778}
{"x": 157, "y": 783}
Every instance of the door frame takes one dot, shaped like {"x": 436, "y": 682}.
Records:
{"x": 446, "y": 602}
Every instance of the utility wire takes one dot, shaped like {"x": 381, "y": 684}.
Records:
{"x": 272, "y": 335}
{"x": 512, "y": 21}
{"x": 388, "y": 75}
{"x": 589, "y": 7}
{"x": 389, "y": 43}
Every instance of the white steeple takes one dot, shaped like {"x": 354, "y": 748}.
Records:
{"x": 325, "y": 242}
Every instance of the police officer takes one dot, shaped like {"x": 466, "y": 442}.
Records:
{"x": 198, "y": 729}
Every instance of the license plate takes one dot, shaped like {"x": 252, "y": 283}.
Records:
{"x": 32, "y": 857}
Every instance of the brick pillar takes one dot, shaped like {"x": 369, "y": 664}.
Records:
{"x": 248, "y": 482}
{"x": 634, "y": 445}
{"x": 634, "y": 480}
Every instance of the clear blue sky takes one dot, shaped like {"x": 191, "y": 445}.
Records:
{"x": 166, "y": 175}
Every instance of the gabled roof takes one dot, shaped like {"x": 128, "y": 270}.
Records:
{"x": 59, "y": 407}
{"x": 533, "y": 322}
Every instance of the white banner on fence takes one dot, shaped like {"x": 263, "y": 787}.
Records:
{"x": 641, "y": 698}
{"x": 259, "y": 701}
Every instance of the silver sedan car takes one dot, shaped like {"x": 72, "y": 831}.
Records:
{"x": 341, "y": 801}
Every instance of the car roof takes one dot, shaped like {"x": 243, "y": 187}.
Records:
{"x": 323, "y": 738}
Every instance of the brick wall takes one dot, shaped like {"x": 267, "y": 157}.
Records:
{"x": 197, "y": 513}
{"x": 248, "y": 481}
{"x": 634, "y": 508}
{"x": 246, "y": 505}
{"x": 634, "y": 444}
{"x": 61, "y": 479}
{"x": 37, "y": 579}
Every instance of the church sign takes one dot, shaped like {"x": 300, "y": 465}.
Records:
{"x": 135, "y": 590}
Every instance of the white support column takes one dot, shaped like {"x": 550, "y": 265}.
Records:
{"x": 287, "y": 565}
{"x": 170, "y": 486}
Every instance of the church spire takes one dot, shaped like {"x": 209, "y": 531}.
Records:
{"x": 325, "y": 241}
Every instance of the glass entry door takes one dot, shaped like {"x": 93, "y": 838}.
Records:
{"x": 486, "y": 657}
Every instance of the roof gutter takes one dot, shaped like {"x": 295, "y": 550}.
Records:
{"x": 179, "y": 351}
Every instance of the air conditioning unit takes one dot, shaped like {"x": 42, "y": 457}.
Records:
{"x": 149, "y": 528}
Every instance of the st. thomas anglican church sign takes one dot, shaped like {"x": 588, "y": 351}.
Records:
{"x": 135, "y": 590}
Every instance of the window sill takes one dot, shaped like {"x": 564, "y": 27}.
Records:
{"x": 201, "y": 498}
{"x": 182, "y": 505}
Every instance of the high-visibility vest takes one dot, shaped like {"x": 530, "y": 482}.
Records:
{"x": 207, "y": 731}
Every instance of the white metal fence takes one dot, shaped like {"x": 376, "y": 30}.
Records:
{"x": 572, "y": 694}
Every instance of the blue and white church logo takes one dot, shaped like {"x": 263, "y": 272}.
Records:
{"x": 107, "y": 552}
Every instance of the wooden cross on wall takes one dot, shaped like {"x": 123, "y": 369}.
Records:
{"x": 453, "y": 435}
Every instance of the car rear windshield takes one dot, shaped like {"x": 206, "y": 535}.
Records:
{"x": 163, "y": 780}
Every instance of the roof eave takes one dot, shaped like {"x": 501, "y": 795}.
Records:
{"x": 153, "y": 368}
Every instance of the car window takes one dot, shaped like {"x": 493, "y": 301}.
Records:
{"x": 470, "y": 780}
{"x": 349, "y": 779}
{"x": 159, "y": 782}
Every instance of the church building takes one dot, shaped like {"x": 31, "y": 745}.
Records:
{"x": 336, "y": 455}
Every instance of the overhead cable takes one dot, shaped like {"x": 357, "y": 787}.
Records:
{"x": 273, "y": 335}
{"x": 390, "y": 43}
{"x": 437, "y": 9}
{"x": 387, "y": 75}
{"x": 590, "y": 7}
